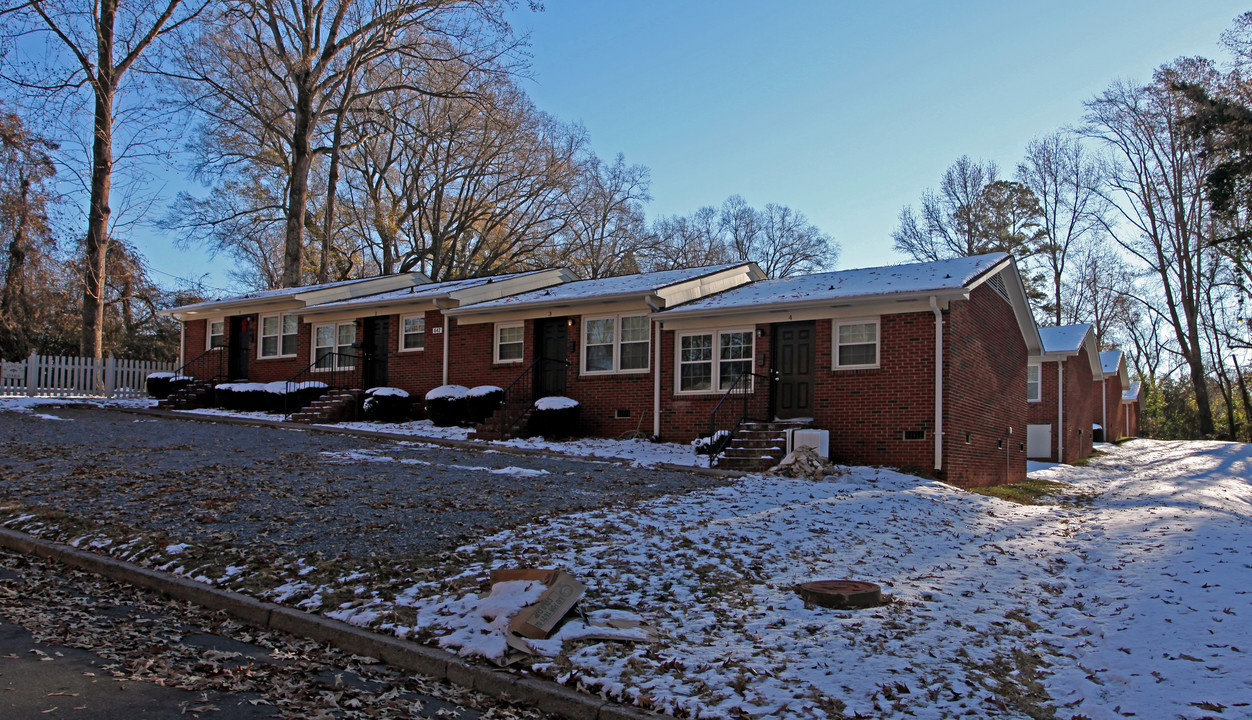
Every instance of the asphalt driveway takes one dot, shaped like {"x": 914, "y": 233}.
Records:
{"x": 296, "y": 491}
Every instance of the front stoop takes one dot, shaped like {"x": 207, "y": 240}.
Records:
{"x": 334, "y": 406}
{"x": 756, "y": 446}
{"x": 490, "y": 429}
{"x": 194, "y": 396}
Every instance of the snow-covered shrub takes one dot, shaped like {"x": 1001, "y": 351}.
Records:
{"x": 242, "y": 397}
{"x": 446, "y": 405}
{"x": 482, "y": 401}
{"x": 555, "y": 417}
{"x": 161, "y": 385}
{"x": 713, "y": 445}
{"x": 387, "y": 404}
{"x": 288, "y": 397}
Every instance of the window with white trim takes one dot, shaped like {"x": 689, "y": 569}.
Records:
{"x": 1034, "y": 383}
{"x": 856, "y": 344}
{"x": 332, "y": 346}
{"x": 510, "y": 343}
{"x": 413, "y": 332}
{"x": 615, "y": 344}
{"x": 217, "y": 334}
{"x": 279, "y": 335}
{"x": 723, "y": 355}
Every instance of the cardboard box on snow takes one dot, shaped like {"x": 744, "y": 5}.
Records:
{"x": 537, "y": 621}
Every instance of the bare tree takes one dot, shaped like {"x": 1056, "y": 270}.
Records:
{"x": 101, "y": 43}
{"x": 1067, "y": 182}
{"x": 1100, "y": 286}
{"x": 687, "y": 241}
{"x": 947, "y": 225}
{"x": 1156, "y": 187}
{"x": 25, "y": 171}
{"x": 606, "y": 231}
{"x": 290, "y": 68}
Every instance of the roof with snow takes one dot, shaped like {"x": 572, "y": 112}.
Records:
{"x": 430, "y": 290}
{"x": 918, "y": 278}
{"x": 1064, "y": 338}
{"x": 625, "y": 285}
{"x": 273, "y": 294}
{"x": 1110, "y": 360}
{"x": 1131, "y": 394}
{"x": 303, "y": 295}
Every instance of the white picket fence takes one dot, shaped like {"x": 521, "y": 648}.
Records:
{"x": 46, "y": 376}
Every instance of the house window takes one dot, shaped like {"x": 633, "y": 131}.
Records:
{"x": 332, "y": 346}
{"x": 856, "y": 345}
{"x": 1034, "y": 388}
{"x": 278, "y": 335}
{"x": 615, "y": 344}
{"x": 510, "y": 342}
{"x": 217, "y": 334}
{"x": 723, "y": 355}
{"x": 413, "y": 332}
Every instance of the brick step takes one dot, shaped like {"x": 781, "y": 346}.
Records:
{"x": 334, "y": 406}
{"x": 734, "y": 452}
{"x": 746, "y": 464}
{"x": 758, "y": 442}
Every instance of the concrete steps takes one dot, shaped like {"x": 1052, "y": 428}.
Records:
{"x": 756, "y": 446}
{"x": 334, "y": 406}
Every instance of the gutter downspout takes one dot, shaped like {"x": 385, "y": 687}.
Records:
{"x": 1104, "y": 408}
{"x": 656, "y": 370}
{"x": 182, "y": 340}
{"x": 446, "y": 339}
{"x": 1060, "y": 409}
{"x": 934, "y": 306}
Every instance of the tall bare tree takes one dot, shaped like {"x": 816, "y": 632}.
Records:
{"x": 25, "y": 171}
{"x": 606, "y": 231}
{"x": 948, "y": 223}
{"x": 1067, "y": 181}
{"x": 100, "y": 45}
{"x": 290, "y": 68}
{"x": 1156, "y": 185}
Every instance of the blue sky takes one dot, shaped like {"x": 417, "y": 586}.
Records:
{"x": 844, "y": 111}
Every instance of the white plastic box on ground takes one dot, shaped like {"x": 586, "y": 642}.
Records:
{"x": 819, "y": 440}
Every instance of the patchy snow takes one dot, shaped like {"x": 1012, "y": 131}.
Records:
{"x": 245, "y": 387}
{"x": 1131, "y": 394}
{"x": 844, "y": 284}
{"x": 447, "y": 391}
{"x": 423, "y": 292}
{"x": 555, "y": 402}
{"x": 168, "y": 375}
{"x": 1131, "y": 601}
{"x": 482, "y": 390}
{"x": 476, "y": 626}
{"x": 386, "y": 392}
{"x": 1064, "y": 338}
{"x": 27, "y": 405}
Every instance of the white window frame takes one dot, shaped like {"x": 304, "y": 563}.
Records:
{"x": 402, "y": 333}
{"x": 208, "y": 333}
{"x": 260, "y": 344}
{"x": 715, "y": 361}
{"x": 834, "y": 343}
{"x": 495, "y": 343}
{"x": 337, "y": 347}
{"x": 617, "y": 344}
{"x": 1038, "y": 382}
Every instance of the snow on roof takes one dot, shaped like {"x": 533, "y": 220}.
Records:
{"x": 272, "y": 294}
{"x": 1131, "y": 394}
{"x": 605, "y": 287}
{"x": 951, "y": 274}
{"x": 1063, "y": 338}
{"x": 428, "y": 290}
{"x": 1109, "y": 360}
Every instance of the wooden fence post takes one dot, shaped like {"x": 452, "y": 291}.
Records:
{"x": 110, "y": 376}
{"x": 32, "y": 374}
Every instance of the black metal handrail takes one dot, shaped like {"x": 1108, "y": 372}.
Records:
{"x": 746, "y": 400}
{"x": 519, "y": 395}
{"x": 337, "y": 370}
{"x": 215, "y": 359}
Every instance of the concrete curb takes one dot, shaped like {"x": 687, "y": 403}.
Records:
{"x": 459, "y": 444}
{"x": 545, "y": 695}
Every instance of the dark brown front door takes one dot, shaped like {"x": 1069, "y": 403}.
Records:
{"x": 794, "y": 356}
{"x": 551, "y": 343}
{"x": 374, "y": 347}
{"x": 240, "y": 348}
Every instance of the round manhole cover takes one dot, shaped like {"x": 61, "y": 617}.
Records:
{"x": 841, "y": 594}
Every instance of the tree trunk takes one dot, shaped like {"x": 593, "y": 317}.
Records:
{"x": 298, "y": 193}
{"x": 96, "y": 246}
{"x": 1244, "y": 396}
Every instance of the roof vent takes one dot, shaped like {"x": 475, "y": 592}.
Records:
{"x": 997, "y": 283}
{"x": 947, "y": 277}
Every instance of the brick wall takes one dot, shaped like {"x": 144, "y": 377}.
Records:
{"x": 418, "y": 371}
{"x": 1082, "y": 403}
{"x": 686, "y": 417}
{"x": 984, "y": 392}
{"x": 1116, "y": 426}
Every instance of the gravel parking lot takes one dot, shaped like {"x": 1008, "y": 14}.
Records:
{"x": 296, "y": 491}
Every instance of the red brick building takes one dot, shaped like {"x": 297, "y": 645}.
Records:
{"x": 920, "y": 366}
{"x": 1063, "y": 394}
{"x": 1131, "y": 406}
{"x": 1112, "y": 383}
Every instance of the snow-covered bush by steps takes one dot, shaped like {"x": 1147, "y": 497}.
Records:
{"x": 242, "y": 397}
{"x": 482, "y": 401}
{"x": 446, "y": 405}
{"x": 274, "y": 397}
{"x": 555, "y": 417}
{"x": 161, "y": 385}
{"x": 387, "y": 404}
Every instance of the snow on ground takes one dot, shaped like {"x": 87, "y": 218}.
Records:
{"x": 30, "y": 405}
{"x": 1130, "y": 600}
